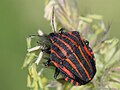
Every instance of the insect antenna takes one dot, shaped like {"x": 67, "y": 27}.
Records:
{"x": 53, "y": 20}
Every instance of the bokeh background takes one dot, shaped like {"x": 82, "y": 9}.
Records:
{"x": 20, "y": 18}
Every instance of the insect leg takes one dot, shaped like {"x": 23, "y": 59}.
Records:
{"x": 46, "y": 50}
{"x": 32, "y": 36}
{"x": 47, "y": 63}
{"x": 57, "y": 71}
{"x": 61, "y": 30}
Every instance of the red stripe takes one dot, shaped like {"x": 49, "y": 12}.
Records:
{"x": 87, "y": 51}
{"x": 84, "y": 56}
{"x": 78, "y": 48}
{"x": 83, "y": 67}
{"x": 67, "y": 71}
{"x": 73, "y": 35}
{"x": 62, "y": 50}
{"x": 52, "y": 51}
{"x": 76, "y": 58}
{"x": 66, "y": 79}
{"x": 81, "y": 50}
{"x": 63, "y": 69}
{"x": 73, "y": 67}
{"x": 65, "y": 44}
{"x": 70, "y": 39}
{"x": 69, "y": 61}
{"x": 76, "y": 84}
{"x": 71, "y": 81}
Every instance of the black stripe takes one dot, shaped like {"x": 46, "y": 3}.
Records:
{"x": 77, "y": 52}
{"x": 93, "y": 71}
{"x": 56, "y": 49}
{"x": 64, "y": 63}
{"x": 80, "y": 82}
{"x": 71, "y": 37}
{"x": 79, "y": 55}
{"x": 92, "y": 62}
{"x": 72, "y": 58}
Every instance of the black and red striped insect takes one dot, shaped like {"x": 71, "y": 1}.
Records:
{"x": 72, "y": 57}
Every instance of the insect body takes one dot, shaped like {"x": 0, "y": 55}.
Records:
{"x": 72, "y": 57}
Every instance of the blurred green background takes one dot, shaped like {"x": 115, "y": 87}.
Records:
{"x": 20, "y": 18}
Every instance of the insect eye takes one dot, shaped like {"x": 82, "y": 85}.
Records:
{"x": 86, "y": 42}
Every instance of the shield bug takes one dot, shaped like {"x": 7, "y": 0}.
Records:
{"x": 71, "y": 55}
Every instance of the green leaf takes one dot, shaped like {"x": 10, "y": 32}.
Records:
{"x": 114, "y": 85}
{"x": 28, "y": 42}
{"x": 29, "y": 83}
{"x": 89, "y": 20}
{"x": 97, "y": 17}
{"x": 114, "y": 60}
{"x": 115, "y": 76}
{"x": 29, "y": 57}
